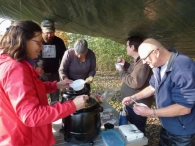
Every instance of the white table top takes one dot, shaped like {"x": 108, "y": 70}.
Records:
{"x": 98, "y": 141}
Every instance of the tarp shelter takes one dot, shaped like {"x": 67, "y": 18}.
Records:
{"x": 170, "y": 21}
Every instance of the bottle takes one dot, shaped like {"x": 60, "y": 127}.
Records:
{"x": 123, "y": 116}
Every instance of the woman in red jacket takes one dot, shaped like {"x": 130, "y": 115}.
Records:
{"x": 25, "y": 116}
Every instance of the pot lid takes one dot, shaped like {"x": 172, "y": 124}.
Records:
{"x": 71, "y": 91}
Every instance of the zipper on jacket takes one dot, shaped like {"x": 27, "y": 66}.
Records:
{"x": 180, "y": 121}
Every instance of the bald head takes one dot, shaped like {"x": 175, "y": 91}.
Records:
{"x": 147, "y": 46}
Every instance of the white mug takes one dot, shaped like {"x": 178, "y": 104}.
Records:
{"x": 117, "y": 66}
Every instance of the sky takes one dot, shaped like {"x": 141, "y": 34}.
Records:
{"x": 3, "y": 25}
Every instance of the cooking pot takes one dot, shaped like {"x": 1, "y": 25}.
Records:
{"x": 69, "y": 93}
{"x": 83, "y": 126}
{"x": 78, "y": 84}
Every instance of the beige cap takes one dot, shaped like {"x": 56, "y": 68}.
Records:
{"x": 47, "y": 26}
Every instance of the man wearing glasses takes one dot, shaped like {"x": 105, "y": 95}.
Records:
{"x": 50, "y": 57}
{"x": 173, "y": 84}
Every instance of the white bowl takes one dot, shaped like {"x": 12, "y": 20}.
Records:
{"x": 78, "y": 85}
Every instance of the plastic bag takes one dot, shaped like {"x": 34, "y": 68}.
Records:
{"x": 107, "y": 95}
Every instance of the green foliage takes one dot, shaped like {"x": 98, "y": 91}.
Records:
{"x": 106, "y": 50}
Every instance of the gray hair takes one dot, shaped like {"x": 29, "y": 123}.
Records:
{"x": 81, "y": 46}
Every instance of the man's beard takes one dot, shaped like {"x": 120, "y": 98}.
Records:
{"x": 49, "y": 40}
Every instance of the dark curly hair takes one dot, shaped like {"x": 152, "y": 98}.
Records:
{"x": 136, "y": 41}
{"x": 13, "y": 42}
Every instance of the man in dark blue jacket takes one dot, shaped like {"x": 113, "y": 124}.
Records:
{"x": 173, "y": 84}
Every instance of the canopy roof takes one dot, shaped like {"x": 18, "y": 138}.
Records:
{"x": 170, "y": 21}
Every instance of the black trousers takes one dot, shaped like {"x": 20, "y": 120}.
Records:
{"x": 168, "y": 139}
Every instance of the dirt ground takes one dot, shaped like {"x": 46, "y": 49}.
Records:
{"x": 107, "y": 81}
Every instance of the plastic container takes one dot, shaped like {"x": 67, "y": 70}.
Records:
{"x": 112, "y": 138}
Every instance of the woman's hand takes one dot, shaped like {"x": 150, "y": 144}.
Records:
{"x": 80, "y": 101}
{"x": 64, "y": 84}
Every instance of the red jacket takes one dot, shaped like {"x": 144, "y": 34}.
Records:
{"x": 25, "y": 116}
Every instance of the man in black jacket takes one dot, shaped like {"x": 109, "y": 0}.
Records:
{"x": 50, "y": 57}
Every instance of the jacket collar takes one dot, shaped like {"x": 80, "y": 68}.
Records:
{"x": 137, "y": 59}
{"x": 171, "y": 59}
{"x": 156, "y": 71}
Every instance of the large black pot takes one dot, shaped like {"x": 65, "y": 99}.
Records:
{"x": 69, "y": 93}
{"x": 83, "y": 126}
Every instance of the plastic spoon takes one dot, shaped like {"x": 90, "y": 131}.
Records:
{"x": 134, "y": 101}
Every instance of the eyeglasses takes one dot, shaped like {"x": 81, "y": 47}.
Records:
{"x": 144, "y": 59}
{"x": 39, "y": 43}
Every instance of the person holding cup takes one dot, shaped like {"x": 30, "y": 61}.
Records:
{"x": 135, "y": 76}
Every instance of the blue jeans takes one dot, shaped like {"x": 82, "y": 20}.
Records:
{"x": 168, "y": 139}
{"x": 138, "y": 121}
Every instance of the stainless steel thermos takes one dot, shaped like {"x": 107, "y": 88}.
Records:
{"x": 123, "y": 116}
